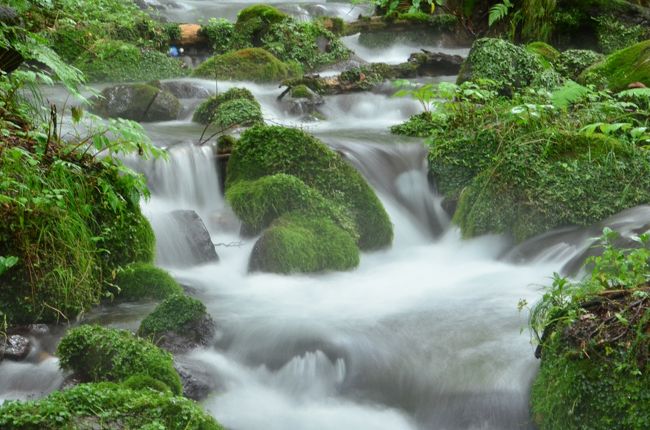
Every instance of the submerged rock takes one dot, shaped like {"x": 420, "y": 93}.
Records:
{"x": 195, "y": 380}
{"x": 184, "y": 89}
{"x": 303, "y": 101}
{"x": 137, "y": 102}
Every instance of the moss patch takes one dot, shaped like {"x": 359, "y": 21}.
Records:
{"x": 106, "y": 405}
{"x": 548, "y": 54}
{"x": 114, "y": 61}
{"x": 101, "y": 354}
{"x": 175, "y": 314}
{"x": 238, "y": 113}
{"x": 139, "y": 281}
{"x": 300, "y": 243}
{"x": 264, "y": 150}
{"x": 206, "y": 110}
{"x": 250, "y": 64}
{"x": 622, "y": 68}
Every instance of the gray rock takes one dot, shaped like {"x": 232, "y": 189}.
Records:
{"x": 196, "y": 235}
{"x": 15, "y": 347}
{"x": 305, "y": 105}
{"x": 196, "y": 381}
{"x": 193, "y": 335}
{"x": 185, "y": 90}
{"x": 138, "y": 102}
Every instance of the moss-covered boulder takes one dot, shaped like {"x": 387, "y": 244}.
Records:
{"x": 509, "y": 65}
{"x": 138, "y": 102}
{"x": 238, "y": 113}
{"x": 304, "y": 243}
{"x": 179, "y": 324}
{"x": 108, "y": 406}
{"x": 206, "y": 110}
{"x": 259, "y": 202}
{"x": 250, "y": 64}
{"x": 96, "y": 353}
{"x": 115, "y": 61}
{"x": 254, "y": 22}
{"x": 139, "y": 281}
{"x": 268, "y": 150}
{"x": 622, "y": 68}
{"x": 572, "y": 62}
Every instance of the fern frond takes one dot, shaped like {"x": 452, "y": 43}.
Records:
{"x": 568, "y": 94}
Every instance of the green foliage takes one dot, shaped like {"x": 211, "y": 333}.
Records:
{"x": 304, "y": 244}
{"x": 238, "y": 113}
{"x": 251, "y": 64}
{"x": 614, "y": 35}
{"x": 499, "y": 11}
{"x": 115, "y": 61}
{"x": 96, "y": 353}
{"x": 622, "y": 68}
{"x": 302, "y": 92}
{"x": 106, "y": 405}
{"x": 299, "y": 42}
{"x": 253, "y": 23}
{"x": 523, "y": 166}
{"x": 220, "y": 33}
{"x": 594, "y": 349}
{"x": 145, "y": 382}
{"x": 265, "y": 151}
{"x": 139, "y": 281}
{"x": 572, "y": 62}
{"x": 258, "y": 203}
{"x": 549, "y": 54}
{"x": 177, "y": 313}
{"x": 7, "y": 263}
{"x": 205, "y": 112}
{"x": 421, "y": 125}
{"x": 509, "y": 65}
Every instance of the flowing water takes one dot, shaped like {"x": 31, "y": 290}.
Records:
{"x": 425, "y": 335}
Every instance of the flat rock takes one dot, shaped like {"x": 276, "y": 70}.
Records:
{"x": 16, "y": 347}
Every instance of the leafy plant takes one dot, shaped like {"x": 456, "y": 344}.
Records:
{"x": 7, "y": 263}
{"x": 499, "y": 11}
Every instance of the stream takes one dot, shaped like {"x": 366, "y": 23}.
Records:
{"x": 424, "y": 335}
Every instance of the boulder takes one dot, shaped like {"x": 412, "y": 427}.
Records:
{"x": 249, "y": 64}
{"x": 15, "y": 347}
{"x": 622, "y": 68}
{"x": 139, "y": 281}
{"x": 197, "y": 236}
{"x": 179, "y": 324}
{"x": 184, "y": 89}
{"x": 302, "y": 101}
{"x": 138, "y": 102}
{"x": 196, "y": 381}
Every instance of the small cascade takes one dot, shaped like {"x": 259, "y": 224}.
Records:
{"x": 399, "y": 173}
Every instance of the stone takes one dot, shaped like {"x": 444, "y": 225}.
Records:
{"x": 185, "y": 90}
{"x": 195, "y": 380}
{"x": 197, "y": 236}
{"x": 137, "y": 102}
{"x": 15, "y": 347}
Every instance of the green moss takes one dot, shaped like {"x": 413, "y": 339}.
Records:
{"x": 114, "y": 61}
{"x": 205, "y": 111}
{"x": 139, "y": 281}
{"x": 238, "y": 113}
{"x": 503, "y": 62}
{"x": 571, "y": 63}
{"x": 548, "y": 54}
{"x": 225, "y": 144}
{"x": 102, "y": 354}
{"x": 253, "y": 23}
{"x": 304, "y": 244}
{"x": 265, "y": 13}
{"x": 177, "y": 314}
{"x": 258, "y": 203}
{"x": 266, "y": 150}
{"x": 302, "y": 92}
{"x": 421, "y": 125}
{"x": 575, "y": 392}
{"x": 145, "y": 382}
{"x": 220, "y": 33}
{"x": 106, "y": 405}
{"x": 622, "y": 68}
{"x": 250, "y": 64}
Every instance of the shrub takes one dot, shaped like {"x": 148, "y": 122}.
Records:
{"x": 106, "y": 405}
{"x": 220, "y": 33}
{"x": 254, "y": 22}
{"x": 571, "y": 63}
{"x": 614, "y": 35}
{"x": 258, "y": 203}
{"x": 139, "y": 281}
{"x": 114, "y": 61}
{"x": 305, "y": 244}
{"x": 102, "y": 354}
{"x": 177, "y": 314}
{"x": 267, "y": 150}
{"x": 622, "y": 68}
{"x": 205, "y": 111}
{"x": 251, "y": 64}
{"x": 421, "y": 125}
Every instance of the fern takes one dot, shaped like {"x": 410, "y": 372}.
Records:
{"x": 499, "y": 11}
{"x": 568, "y": 94}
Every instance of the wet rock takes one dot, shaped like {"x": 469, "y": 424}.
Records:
{"x": 15, "y": 347}
{"x": 195, "y": 380}
{"x": 138, "y": 102}
{"x": 302, "y": 101}
{"x": 194, "y": 335}
{"x": 197, "y": 236}
{"x": 185, "y": 90}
